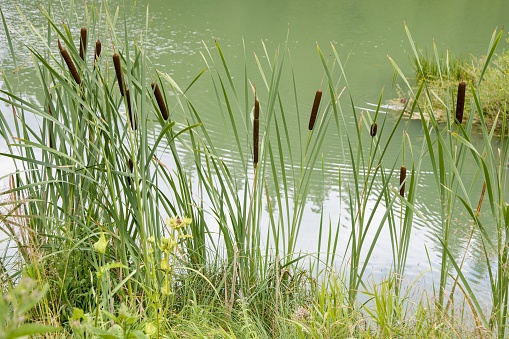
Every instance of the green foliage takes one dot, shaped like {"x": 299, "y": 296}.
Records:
{"x": 15, "y": 308}
{"x": 136, "y": 240}
{"x": 443, "y": 72}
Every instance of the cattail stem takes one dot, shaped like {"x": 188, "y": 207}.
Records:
{"x": 50, "y": 127}
{"x": 130, "y": 113}
{"x": 314, "y": 110}
{"x": 374, "y": 128}
{"x": 460, "y": 102}
{"x": 402, "y": 178}
{"x": 160, "y": 100}
{"x": 257, "y": 109}
{"x": 481, "y": 198}
{"x": 83, "y": 42}
{"x": 118, "y": 71}
{"x": 69, "y": 63}
{"x": 256, "y": 140}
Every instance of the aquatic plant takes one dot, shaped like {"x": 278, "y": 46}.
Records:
{"x": 91, "y": 203}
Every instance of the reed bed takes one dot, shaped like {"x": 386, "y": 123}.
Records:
{"x": 125, "y": 241}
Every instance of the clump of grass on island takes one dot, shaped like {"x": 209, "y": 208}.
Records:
{"x": 442, "y": 73}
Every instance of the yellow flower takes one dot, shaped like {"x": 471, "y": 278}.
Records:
{"x": 168, "y": 244}
{"x": 101, "y": 244}
{"x": 165, "y": 265}
{"x": 176, "y": 223}
{"x": 150, "y": 329}
{"x": 166, "y": 289}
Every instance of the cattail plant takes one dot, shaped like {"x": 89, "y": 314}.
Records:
{"x": 130, "y": 113}
{"x": 402, "y": 178}
{"x": 83, "y": 42}
{"x": 460, "y": 102}
{"x": 160, "y": 100}
{"x": 131, "y": 168}
{"x": 97, "y": 52}
{"x": 50, "y": 127}
{"x": 69, "y": 63}
{"x": 118, "y": 71}
{"x": 314, "y": 110}
{"x": 373, "y": 129}
{"x": 256, "y": 131}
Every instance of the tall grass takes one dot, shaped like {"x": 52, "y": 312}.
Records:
{"x": 135, "y": 241}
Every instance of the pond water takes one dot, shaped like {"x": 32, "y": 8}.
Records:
{"x": 364, "y": 34}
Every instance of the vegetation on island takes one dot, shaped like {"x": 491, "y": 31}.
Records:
{"x": 117, "y": 235}
{"x": 441, "y": 73}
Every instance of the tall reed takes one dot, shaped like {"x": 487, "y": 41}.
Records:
{"x": 113, "y": 202}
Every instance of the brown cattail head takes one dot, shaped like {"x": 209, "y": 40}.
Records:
{"x": 160, "y": 100}
{"x": 118, "y": 71}
{"x": 257, "y": 109}
{"x": 69, "y": 63}
{"x": 460, "y": 102}
{"x": 314, "y": 110}
{"x": 83, "y": 42}
{"x": 131, "y": 167}
{"x": 374, "y": 128}
{"x": 402, "y": 178}
{"x": 97, "y": 53}
{"x": 256, "y": 139}
{"x": 130, "y": 113}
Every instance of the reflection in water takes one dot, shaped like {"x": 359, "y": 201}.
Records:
{"x": 363, "y": 32}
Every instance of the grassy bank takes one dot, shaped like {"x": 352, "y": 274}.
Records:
{"x": 124, "y": 238}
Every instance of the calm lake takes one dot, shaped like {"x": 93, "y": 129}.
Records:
{"x": 364, "y": 33}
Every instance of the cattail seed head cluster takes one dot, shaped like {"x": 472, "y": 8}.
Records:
{"x": 374, "y": 128}
{"x": 69, "y": 63}
{"x": 314, "y": 110}
{"x": 160, "y": 100}
{"x": 83, "y": 42}
{"x": 402, "y": 178}
{"x": 118, "y": 72}
{"x": 97, "y": 52}
{"x": 460, "y": 102}
{"x": 256, "y": 131}
{"x": 131, "y": 168}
